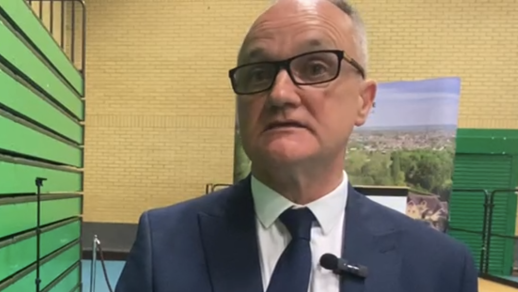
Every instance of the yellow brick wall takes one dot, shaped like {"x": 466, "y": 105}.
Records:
{"x": 160, "y": 111}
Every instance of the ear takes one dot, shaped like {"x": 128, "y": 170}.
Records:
{"x": 368, "y": 91}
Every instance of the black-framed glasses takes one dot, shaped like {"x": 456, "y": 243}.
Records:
{"x": 310, "y": 68}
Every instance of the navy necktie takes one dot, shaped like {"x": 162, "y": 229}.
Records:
{"x": 292, "y": 271}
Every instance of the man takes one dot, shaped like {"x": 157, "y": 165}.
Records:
{"x": 301, "y": 88}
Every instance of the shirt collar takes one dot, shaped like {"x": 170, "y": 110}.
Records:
{"x": 269, "y": 204}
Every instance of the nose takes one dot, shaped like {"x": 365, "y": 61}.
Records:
{"x": 283, "y": 92}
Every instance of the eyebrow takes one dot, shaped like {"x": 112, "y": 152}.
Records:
{"x": 259, "y": 53}
{"x": 256, "y": 53}
{"x": 315, "y": 44}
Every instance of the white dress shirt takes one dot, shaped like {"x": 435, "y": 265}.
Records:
{"x": 326, "y": 234}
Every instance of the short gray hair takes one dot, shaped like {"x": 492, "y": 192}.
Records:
{"x": 360, "y": 32}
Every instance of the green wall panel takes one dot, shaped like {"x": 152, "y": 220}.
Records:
{"x": 52, "y": 267}
{"x": 19, "y": 252}
{"x": 20, "y": 179}
{"x": 25, "y": 19}
{"x": 482, "y": 171}
{"x": 23, "y": 58}
{"x": 22, "y": 212}
{"x": 486, "y": 159}
{"x": 18, "y": 97}
{"x": 487, "y": 141}
{"x": 18, "y": 138}
{"x": 40, "y": 136}
{"x": 67, "y": 282}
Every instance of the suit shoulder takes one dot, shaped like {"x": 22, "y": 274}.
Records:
{"x": 190, "y": 208}
{"x": 418, "y": 232}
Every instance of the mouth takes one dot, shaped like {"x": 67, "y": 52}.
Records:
{"x": 284, "y": 125}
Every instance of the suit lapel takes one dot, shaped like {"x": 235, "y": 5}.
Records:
{"x": 230, "y": 244}
{"x": 372, "y": 241}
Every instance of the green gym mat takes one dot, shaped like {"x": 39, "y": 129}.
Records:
{"x": 19, "y": 54}
{"x": 21, "y": 211}
{"x": 51, "y": 267}
{"x": 18, "y": 177}
{"x": 19, "y": 251}
{"x": 22, "y": 15}
{"x": 18, "y": 96}
{"x": 25, "y": 140}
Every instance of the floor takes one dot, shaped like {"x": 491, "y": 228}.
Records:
{"x": 114, "y": 269}
{"x": 489, "y": 286}
{"x": 512, "y": 278}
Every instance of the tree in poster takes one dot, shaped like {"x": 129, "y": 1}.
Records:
{"x": 421, "y": 169}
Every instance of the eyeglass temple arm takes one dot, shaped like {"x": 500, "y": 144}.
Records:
{"x": 355, "y": 64}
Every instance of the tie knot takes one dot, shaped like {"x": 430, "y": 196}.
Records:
{"x": 298, "y": 222}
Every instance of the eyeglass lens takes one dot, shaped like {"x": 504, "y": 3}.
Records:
{"x": 306, "y": 69}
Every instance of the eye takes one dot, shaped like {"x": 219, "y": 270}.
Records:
{"x": 257, "y": 74}
{"x": 316, "y": 68}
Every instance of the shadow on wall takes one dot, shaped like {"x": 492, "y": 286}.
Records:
{"x": 116, "y": 239}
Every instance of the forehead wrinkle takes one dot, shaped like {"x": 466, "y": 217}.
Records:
{"x": 317, "y": 40}
{"x": 313, "y": 42}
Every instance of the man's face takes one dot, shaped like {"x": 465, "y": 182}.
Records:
{"x": 292, "y": 123}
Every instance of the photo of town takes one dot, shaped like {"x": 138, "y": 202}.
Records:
{"x": 409, "y": 138}
{"x": 418, "y": 157}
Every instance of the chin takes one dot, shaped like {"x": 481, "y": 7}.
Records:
{"x": 280, "y": 152}
{"x": 286, "y": 158}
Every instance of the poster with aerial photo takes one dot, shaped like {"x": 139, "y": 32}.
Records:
{"x": 409, "y": 140}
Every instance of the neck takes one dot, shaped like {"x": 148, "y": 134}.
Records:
{"x": 301, "y": 184}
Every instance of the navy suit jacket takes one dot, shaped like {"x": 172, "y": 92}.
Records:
{"x": 209, "y": 244}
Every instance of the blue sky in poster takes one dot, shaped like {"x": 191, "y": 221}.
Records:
{"x": 431, "y": 102}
